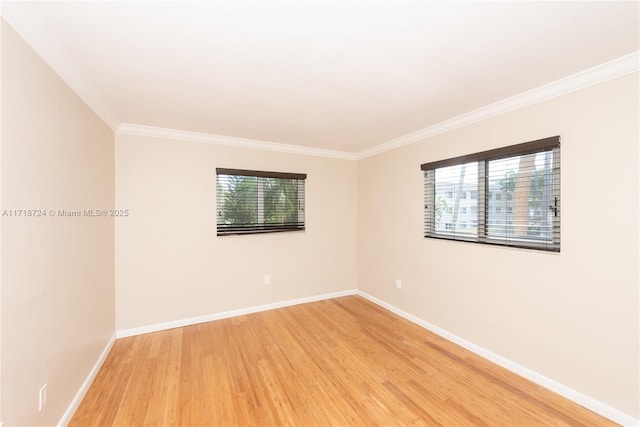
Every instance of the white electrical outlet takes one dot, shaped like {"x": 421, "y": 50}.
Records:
{"x": 42, "y": 397}
{"x": 398, "y": 283}
{"x": 267, "y": 279}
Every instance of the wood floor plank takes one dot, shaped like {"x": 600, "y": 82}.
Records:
{"x": 339, "y": 362}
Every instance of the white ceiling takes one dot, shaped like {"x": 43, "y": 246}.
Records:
{"x": 344, "y": 76}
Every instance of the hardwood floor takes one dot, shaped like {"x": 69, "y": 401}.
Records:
{"x": 339, "y": 362}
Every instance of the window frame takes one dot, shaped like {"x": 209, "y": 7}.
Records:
{"x": 483, "y": 158}
{"x": 260, "y": 226}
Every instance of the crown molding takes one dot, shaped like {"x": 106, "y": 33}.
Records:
{"x": 601, "y": 73}
{"x": 229, "y": 141}
{"x": 25, "y": 23}
{"x": 20, "y": 16}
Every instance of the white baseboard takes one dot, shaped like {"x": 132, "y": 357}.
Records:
{"x": 68, "y": 414}
{"x": 226, "y": 314}
{"x": 571, "y": 394}
{"x": 592, "y": 404}
{"x": 66, "y": 418}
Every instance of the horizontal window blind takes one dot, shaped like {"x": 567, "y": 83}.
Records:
{"x": 508, "y": 196}
{"x": 251, "y": 201}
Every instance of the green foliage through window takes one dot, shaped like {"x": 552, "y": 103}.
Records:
{"x": 257, "y": 202}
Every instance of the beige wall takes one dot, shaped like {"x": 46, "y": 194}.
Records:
{"x": 57, "y": 273}
{"x": 170, "y": 264}
{"x": 573, "y": 316}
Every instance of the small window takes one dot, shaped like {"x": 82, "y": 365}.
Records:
{"x": 516, "y": 200}
{"x": 259, "y": 202}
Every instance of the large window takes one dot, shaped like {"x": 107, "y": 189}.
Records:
{"x": 515, "y": 196}
{"x": 259, "y": 202}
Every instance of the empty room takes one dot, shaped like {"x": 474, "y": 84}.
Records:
{"x": 319, "y": 213}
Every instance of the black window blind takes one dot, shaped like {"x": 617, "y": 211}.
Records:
{"x": 250, "y": 201}
{"x": 507, "y": 196}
